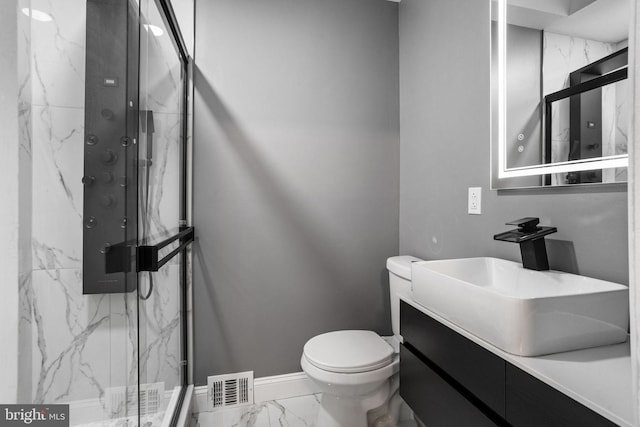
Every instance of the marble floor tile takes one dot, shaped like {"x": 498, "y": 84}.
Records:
{"x": 244, "y": 416}
{"x": 295, "y": 412}
{"x": 298, "y": 411}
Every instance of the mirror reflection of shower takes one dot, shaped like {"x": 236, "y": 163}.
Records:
{"x": 551, "y": 47}
{"x": 588, "y": 119}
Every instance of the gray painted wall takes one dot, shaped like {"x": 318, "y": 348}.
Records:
{"x": 296, "y": 187}
{"x": 445, "y": 136}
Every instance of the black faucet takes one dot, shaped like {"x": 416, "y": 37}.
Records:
{"x": 531, "y": 239}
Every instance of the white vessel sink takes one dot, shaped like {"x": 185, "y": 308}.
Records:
{"x": 523, "y": 312}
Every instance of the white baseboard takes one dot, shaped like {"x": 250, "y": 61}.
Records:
{"x": 266, "y": 388}
{"x": 283, "y": 387}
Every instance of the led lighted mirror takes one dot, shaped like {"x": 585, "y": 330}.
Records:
{"x": 560, "y": 104}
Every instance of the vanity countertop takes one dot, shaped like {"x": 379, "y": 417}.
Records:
{"x": 599, "y": 377}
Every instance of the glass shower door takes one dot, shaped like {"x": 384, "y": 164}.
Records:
{"x": 161, "y": 214}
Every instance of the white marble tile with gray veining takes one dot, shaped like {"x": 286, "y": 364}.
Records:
{"x": 24, "y": 88}
{"x": 152, "y": 420}
{"x": 298, "y": 411}
{"x": 83, "y": 347}
{"x": 25, "y": 329}
{"x": 160, "y": 195}
{"x": 564, "y": 54}
{"x": 58, "y": 53}
{"x": 57, "y": 188}
{"x": 295, "y": 412}
{"x": 123, "y": 343}
{"x": 243, "y": 416}
{"x": 160, "y": 356}
{"x": 69, "y": 333}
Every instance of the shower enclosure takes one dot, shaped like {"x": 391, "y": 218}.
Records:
{"x": 104, "y": 230}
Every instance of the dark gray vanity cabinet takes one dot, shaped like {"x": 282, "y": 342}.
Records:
{"x": 532, "y": 403}
{"x": 435, "y": 400}
{"x": 448, "y": 380}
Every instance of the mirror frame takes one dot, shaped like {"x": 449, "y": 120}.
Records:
{"x": 621, "y": 160}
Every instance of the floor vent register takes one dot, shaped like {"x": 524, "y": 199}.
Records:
{"x": 230, "y": 390}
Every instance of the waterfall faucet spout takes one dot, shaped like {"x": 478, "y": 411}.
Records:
{"x": 530, "y": 237}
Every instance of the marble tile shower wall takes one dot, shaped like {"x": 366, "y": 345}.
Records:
{"x": 75, "y": 347}
{"x": 561, "y": 55}
{"x": 161, "y": 90}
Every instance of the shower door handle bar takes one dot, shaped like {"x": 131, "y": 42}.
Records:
{"x": 186, "y": 238}
{"x": 147, "y": 256}
{"x": 186, "y": 232}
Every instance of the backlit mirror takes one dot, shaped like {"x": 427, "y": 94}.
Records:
{"x": 560, "y": 104}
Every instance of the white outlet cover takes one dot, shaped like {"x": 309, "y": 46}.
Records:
{"x": 475, "y": 201}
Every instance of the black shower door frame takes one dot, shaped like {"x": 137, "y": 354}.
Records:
{"x": 169, "y": 16}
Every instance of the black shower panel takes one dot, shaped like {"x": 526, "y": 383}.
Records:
{"x": 110, "y": 147}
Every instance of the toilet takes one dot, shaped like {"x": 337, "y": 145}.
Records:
{"x": 356, "y": 370}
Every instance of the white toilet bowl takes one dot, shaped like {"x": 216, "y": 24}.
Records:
{"x": 357, "y": 370}
{"x": 353, "y": 370}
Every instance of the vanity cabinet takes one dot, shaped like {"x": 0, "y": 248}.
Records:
{"x": 532, "y": 403}
{"x": 434, "y": 400}
{"x": 448, "y": 380}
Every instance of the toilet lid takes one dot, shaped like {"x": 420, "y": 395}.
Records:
{"x": 348, "y": 351}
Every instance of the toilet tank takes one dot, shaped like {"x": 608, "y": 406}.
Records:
{"x": 399, "y": 284}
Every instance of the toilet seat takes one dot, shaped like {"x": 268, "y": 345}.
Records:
{"x": 355, "y": 382}
{"x": 350, "y": 351}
